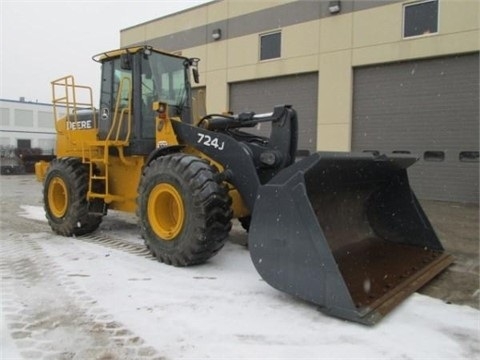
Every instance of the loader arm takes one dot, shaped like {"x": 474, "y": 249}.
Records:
{"x": 248, "y": 160}
{"x": 234, "y": 157}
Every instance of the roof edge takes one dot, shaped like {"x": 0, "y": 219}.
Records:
{"x": 170, "y": 15}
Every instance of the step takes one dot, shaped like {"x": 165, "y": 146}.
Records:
{"x": 97, "y": 177}
{"x": 108, "y": 198}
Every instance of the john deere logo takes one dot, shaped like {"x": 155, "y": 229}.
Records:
{"x": 80, "y": 125}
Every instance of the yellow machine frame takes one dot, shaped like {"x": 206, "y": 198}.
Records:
{"x": 120, "y": 174}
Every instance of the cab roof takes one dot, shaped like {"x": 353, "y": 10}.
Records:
{"x": 130, "y": 50}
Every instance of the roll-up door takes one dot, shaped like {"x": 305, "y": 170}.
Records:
{"x": 300, "y": 91}
{"x": 429, "y": 108}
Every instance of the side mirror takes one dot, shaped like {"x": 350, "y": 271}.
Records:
{"x": 193, "y": 62}
{"x": 196, "y": 76}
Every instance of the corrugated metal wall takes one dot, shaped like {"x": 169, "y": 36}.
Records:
{"x": 426, "y": 107}
{"x": 300, "y": 91}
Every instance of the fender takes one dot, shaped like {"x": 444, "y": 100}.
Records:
{"x": 162, "y": 151}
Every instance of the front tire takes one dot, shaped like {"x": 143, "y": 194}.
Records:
{"x": 65, "y": 198}
{"x": 184, "y": 212}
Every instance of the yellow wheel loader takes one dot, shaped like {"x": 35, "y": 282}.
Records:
{"x": 341, "y": 230}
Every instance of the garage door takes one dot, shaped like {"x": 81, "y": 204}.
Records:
{"x": 261, "y": 96}
{"x": 429, "y": 108}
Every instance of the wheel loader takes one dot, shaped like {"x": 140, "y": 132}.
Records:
{"x": 341, "y": 230}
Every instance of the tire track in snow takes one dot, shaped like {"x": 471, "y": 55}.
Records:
{"x": 95, "y": 238}
{"x": 107, "y": 241}
{"x": 47, "y": 315}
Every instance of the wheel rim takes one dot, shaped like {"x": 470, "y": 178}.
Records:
{"x": 57, "y": 197}
{"x": 166, "y": 213}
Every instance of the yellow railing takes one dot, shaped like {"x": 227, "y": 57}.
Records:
{"x": 68, "y": 98}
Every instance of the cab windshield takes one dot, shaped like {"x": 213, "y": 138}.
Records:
{"x": 158, "y": 76}
{"x": 164, "y": 79}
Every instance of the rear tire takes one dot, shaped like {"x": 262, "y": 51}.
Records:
{"x": 65, "y": 198}
{"x": 184, "y": 212}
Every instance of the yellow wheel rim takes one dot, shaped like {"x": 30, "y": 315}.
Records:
{"x": 57, "y": 197}
{"x": 166, "y": 213}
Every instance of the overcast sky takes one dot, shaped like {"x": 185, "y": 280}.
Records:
{"x": 41, "y": 41}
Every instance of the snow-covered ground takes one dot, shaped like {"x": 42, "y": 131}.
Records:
{"x": 65, "y": 298}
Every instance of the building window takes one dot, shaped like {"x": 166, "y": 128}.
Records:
{"x": 270, "y": 45}
{"x": 4, "y": 116}
{"x": 468, "y": 156}
{"x": 23, "y": 118}
{"x": 45, "y": 119}
{"x": 24, "y": 143}
{"x": 420, "y": 18}
{"x": 434, "y": 156}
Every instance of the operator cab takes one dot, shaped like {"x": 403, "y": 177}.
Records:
{"x": 132, "y": 80}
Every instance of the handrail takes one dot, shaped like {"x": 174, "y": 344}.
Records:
{"x": 120, "y": 114}
{"x": 66, "y": 95}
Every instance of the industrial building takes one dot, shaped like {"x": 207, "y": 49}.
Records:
{"x": 382, "y": 76}
{"x": 26, "y": 125}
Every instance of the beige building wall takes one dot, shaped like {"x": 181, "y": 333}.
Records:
{"x": 332, "y": 46}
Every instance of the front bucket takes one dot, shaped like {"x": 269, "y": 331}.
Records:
{"x": 346, "y": 232}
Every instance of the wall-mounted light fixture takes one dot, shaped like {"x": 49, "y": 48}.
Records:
{"x": 334, "y": 7}
{"x": 216, "y": 34}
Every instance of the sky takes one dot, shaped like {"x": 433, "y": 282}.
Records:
{"x": 41, "y": 41}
